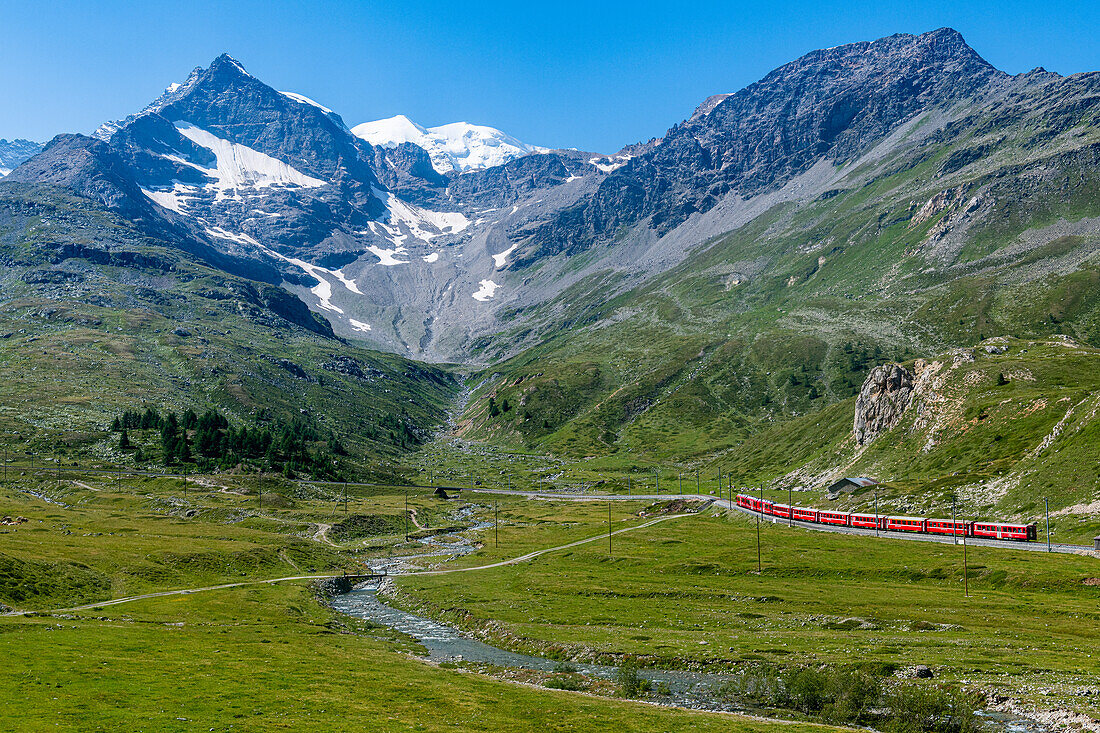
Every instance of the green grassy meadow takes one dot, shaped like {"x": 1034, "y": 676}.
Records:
{"x": 686, "y": 593}
{"x": 256, "y": 657}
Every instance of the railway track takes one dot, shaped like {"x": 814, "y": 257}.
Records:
{"x": 1035, "y": 546}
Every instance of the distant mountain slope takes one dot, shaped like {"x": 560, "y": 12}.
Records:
{"x": 97, "y": 317}
{"x": 14, "y": 152}
{"x": 457, "y": 147}
{"x": 970, "y": 218}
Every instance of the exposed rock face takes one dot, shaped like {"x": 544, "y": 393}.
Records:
{"x": 882, "y": 401}
{"x": 831, "y": 104}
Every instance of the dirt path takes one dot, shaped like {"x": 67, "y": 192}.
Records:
{"x": 224, "y": 586}
{"x": 536, "y": 553}
{"x": 321, "y": 535}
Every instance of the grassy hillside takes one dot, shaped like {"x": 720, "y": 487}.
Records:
{"x": 923, "y": 248}
{"x": 96, "y": 319}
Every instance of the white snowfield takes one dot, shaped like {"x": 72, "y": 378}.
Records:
{"x": 486, "y": 291}
{"x": 614, "y": 163}
{"x": 404, "y": 220}
{"x": 502, "y": 258}
{"x": 306, "y": 100}
{"x": 174, "y": 200}
{"x": 458, "y": 146}
{"x": 241, "y": 167}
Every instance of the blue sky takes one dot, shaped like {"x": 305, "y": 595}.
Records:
{"x": 592, "y": 75}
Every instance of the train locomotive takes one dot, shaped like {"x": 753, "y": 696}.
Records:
{"x": 922, "y": 525}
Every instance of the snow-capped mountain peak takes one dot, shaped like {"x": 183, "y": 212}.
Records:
{"x": 458, "y": 146}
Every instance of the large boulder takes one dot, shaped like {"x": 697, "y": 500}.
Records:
{"x": 882, "y": 400}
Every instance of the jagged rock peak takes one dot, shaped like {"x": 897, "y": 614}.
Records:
{"x": 882, "y": 401}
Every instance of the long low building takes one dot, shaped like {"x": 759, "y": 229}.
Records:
{"x": 851, "y": 484}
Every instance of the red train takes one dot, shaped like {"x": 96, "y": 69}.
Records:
{"x": 959, "y": 528}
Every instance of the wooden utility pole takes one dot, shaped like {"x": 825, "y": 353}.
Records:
{"x": 877, "y": 522}
{"x": 657, "y": 480}
{"x": 496, "y": 523}
{"x": 966, "y": 582}
{"x": 345, "y": 497}
{"x": 1046, "y": 506}
{"x": 609, "y": 527}
{"x": 680, "y": 478}
{"x": 790, "y": 506}
{"x": 698, "y": 487}
{"x": 406, "y": 515}
{"x": 759, "y": 556}
{"x": 966, "y": 573}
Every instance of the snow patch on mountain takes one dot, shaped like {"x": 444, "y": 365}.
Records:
{"x": 458, "y": 146}
{"x": 388, "y": 257}
{"x": 172, "y": 200}
{"x": 359, "y": 325}
{"x": 241, "y": 167}
{"x": 303, "y": 99}
{"x": 404, "y": 220}
{"x": 610, "y": 163}
{"x": 486, "y": 290}
{"x": 238, "y": 238}
{"x": 502, "y": 258}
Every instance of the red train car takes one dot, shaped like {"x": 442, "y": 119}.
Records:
{"x": 1001, "y": 531}
{"x": 870, "y": 521}
{"x": 957, "y": 527}
{"x": 830, "y": 517}
{"x": 907, "y": 524}
{"x": 803, "y": 514}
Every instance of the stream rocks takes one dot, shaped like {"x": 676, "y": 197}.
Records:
{"x": 882, "y": 400}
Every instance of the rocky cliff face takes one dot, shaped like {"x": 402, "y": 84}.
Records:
{"x": 14, "y": 152}
{"x": 882, "y": 400}
{"x": 833, "y": 104}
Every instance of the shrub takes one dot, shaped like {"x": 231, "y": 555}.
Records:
{"x": 631, "y": 684}
{"x": 917, "y": 708}
{"x": 571, "y": 682}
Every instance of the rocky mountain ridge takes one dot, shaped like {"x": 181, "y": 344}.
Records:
{"x": 14, "y": 152}
{"x": 479, "y": 265}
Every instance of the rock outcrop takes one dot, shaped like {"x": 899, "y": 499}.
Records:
{"x": 882, "y": 400}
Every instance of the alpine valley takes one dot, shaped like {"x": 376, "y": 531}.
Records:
{"x": 672, "y": 302}
{"x": 308, "y": 426}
